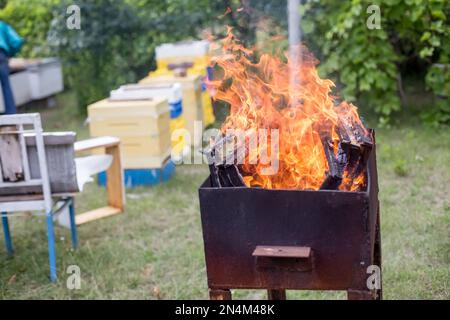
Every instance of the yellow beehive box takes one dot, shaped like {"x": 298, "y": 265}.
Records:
{"x": 178, "y": 141}
{"x": 192, "y": 97}
{"x": 143, "y": 127}
{"x": 145, "y": 152}
{"x": 129, "y": 117}
{"x": 183, "y": 51}
{"x": 208, "y": 111}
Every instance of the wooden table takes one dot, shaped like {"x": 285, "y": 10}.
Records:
{"x": 114, "y": 177}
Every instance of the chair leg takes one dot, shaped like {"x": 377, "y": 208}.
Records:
{"x": 8, "y": 242}
{"x": 73, "y": 225}
{"x": 51, "y": 247}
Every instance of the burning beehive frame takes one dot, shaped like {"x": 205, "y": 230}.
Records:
{"x": 349, "y": 159}
{"x": 310, "y": 222}
{"x": 320, "y": 143}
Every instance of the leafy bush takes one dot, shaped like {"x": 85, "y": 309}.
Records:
{"x": 116, "y": 42}
{"x": 102, "y": 54}
{"x": 31, "y": 19}
{"x": 438, "y": 81}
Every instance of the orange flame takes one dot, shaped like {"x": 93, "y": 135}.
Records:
{"x": 262, "y": 96}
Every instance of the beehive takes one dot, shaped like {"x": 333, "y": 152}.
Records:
{"x": 184, "y": 51}
{"x": 174, "y": 95}
{"x": 192, "y": 98}
{"x": 143, "y": 127}
{"x": 171, "y": 92}
{"x": 196, "y": 52}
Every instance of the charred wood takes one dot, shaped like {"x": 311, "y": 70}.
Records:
{"x": 223, "y": 167}
{"x": 336, "y": 166}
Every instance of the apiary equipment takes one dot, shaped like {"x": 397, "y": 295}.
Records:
{"x": 172, "y": 92}
{"x": 143, "y": 127}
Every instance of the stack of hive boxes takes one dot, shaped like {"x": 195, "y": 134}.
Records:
{"x": 193, "y": 55}
{"x": 143, "y": 126}
{"x": 192, "y": 104}
{"x": 173, "y": 93}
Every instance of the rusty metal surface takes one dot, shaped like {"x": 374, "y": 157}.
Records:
{"x": 339, "y": 227}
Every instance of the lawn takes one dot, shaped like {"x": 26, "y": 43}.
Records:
{"x": 155, "y": 250}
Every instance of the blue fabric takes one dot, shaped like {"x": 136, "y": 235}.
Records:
{"x": 10, "y": 105}
{"x": 10, "y": 41}
{"x": 210, "y": 72}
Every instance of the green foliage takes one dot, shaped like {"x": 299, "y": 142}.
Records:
{"x": 103, "y": 53}
{"x": 117, "y": 38}
{"x": 31, "y": 19}
{"x": 438, "y": 81}
{"x": 370, "y": 63}
{"x": 400, "y": 167}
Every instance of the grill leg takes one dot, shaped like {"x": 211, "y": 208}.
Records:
{"x": 375, "y": 294}
{"x": 219, "y": 294}
{"x": 377, "y": 255}
{"x": 276, "y": 294}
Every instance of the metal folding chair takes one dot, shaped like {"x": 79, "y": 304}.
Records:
{"x": 31, "y": 123}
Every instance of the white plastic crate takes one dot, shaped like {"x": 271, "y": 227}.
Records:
{"x": 183, "y": 48}
{"x": 40, "y": 78}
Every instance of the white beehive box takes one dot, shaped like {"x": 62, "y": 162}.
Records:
{"x": 46, "y": 78}
{"x": 20, "y": 86}
{"x": 172, "y": 92}
{"x": 182, "y": 48}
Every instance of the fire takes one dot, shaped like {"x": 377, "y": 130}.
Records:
{"x": 262, "y": 95}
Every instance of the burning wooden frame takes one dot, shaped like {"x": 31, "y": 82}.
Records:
{"x": 348, "y": 159}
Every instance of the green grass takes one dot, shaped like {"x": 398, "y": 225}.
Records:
{"x": 155, "y": 250}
